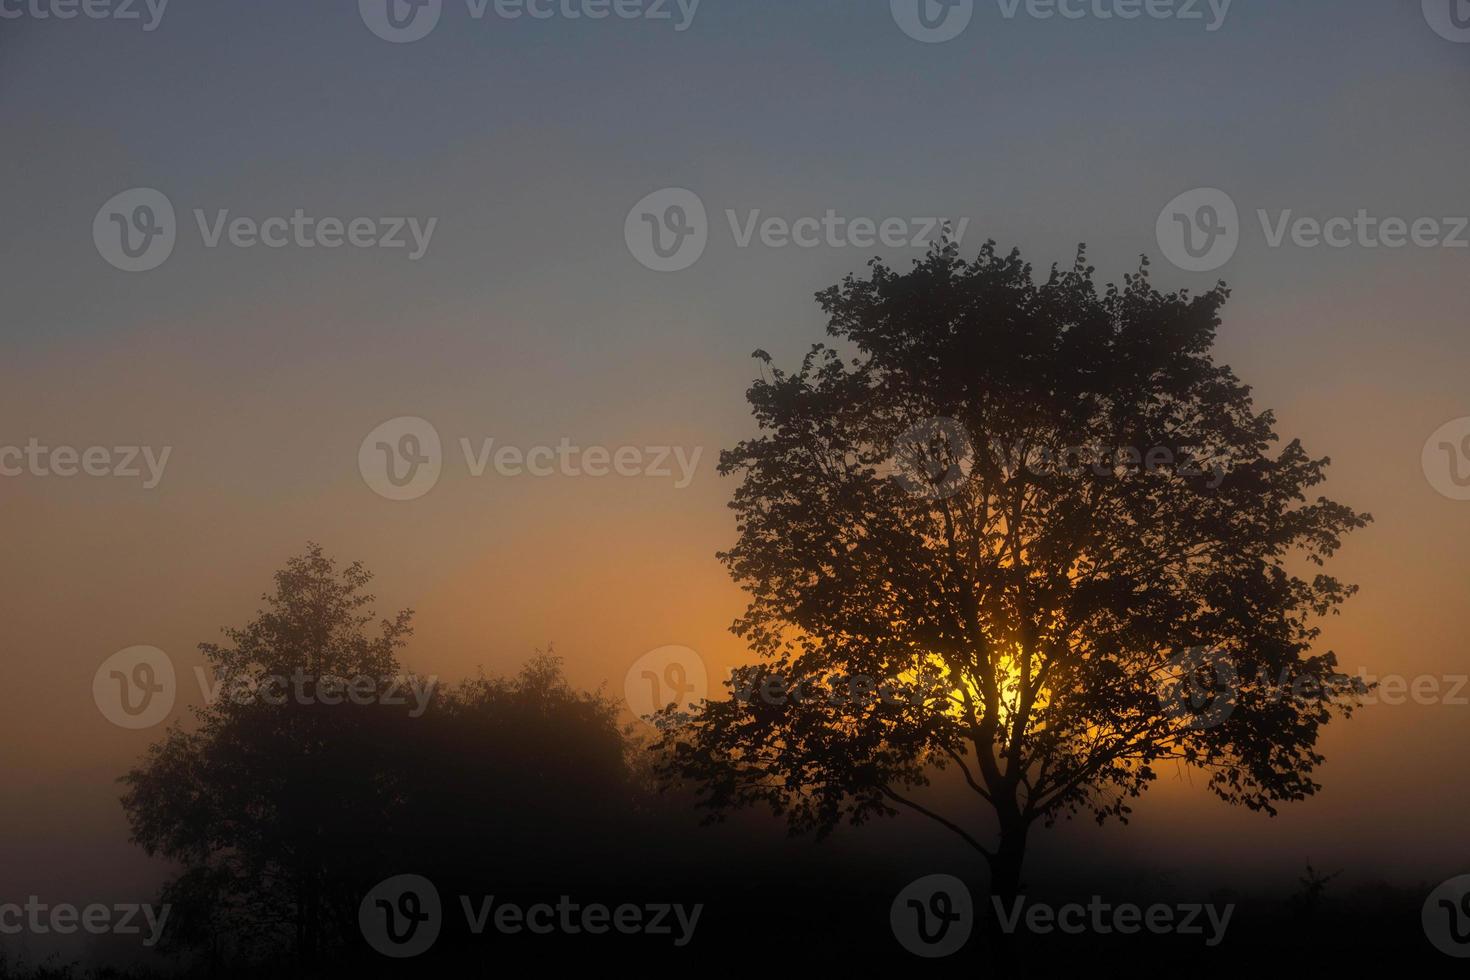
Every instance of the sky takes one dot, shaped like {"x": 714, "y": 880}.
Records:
{"x": 530, "y": 319}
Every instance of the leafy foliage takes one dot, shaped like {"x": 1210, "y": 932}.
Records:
{"x": 283, "y": 812}
{"x": 1089, "y": 494}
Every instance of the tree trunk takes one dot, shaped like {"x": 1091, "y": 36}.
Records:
{"x": 1005, "y": 888}
{"x": 1005, "y": 866}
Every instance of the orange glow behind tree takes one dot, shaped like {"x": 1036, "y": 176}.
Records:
{"x": 1001, "y": 483}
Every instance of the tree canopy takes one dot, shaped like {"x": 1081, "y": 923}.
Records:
{"x": 1054, "y": 538}
{"x": 288, "y": 799}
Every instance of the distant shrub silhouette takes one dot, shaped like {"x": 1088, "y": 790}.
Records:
{"x": 282, "y": 813}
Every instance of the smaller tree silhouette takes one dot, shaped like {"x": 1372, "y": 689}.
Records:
{"x": 264, "y": 801}
{"x": 1311, "y": 892}
{"x": 283, "y": 813}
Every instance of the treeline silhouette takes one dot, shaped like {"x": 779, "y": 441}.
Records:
{"x": 283, "y": 805}
{"x": 280, "y": 807}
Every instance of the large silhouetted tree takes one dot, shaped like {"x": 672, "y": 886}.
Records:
{"x": 1052, "y": 501}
